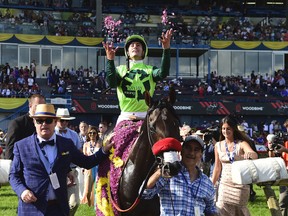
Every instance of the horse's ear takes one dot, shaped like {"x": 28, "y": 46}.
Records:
{"x": 172, "y": 96}
{"x": 148, "y": 98}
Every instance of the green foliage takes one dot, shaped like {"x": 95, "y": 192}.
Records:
{"x": 8, "y": 204}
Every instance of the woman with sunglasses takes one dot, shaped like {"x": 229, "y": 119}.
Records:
{"x": 91, "y": 146}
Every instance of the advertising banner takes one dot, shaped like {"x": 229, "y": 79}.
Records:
{"x": 191, "y": 108}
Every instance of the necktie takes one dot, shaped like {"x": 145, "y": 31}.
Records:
{"x": 50, "y": 142}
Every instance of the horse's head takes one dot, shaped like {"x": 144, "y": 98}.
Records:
{"x": 161, "y": 118}
{"x": 162, "y": 122}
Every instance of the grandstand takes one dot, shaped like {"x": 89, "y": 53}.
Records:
{"x": 230, "y": 38}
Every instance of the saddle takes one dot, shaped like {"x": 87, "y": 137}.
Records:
{"x": 135, "y": 118}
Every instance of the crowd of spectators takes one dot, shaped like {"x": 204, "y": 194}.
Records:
{"x": 81, "y": 80}
{"x": 86, "y": 82}
{"x": 17, "y": 82}
{"x": 201, "y": 29}
{"x": 192, "y": 29}
{"x": 21, "y": 82}
{"x": 55, "y": 4}
{"x": 256, "y": 130}
{"x": 254, "y": 85}
{"x": 47, "y": 23}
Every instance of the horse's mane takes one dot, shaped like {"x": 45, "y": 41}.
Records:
{"x": 165, "y": 102}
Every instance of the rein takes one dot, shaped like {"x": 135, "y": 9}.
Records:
{"x": 150, "y": 131}
{"x": 143, "y": 186}
{"x": 137, "y": 200}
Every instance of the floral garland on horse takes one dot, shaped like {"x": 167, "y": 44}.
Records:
{"x": 126, "y": 134}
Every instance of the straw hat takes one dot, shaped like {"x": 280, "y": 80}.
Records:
{"x": 64, "y": 114}
{"x": 44, "y": 110}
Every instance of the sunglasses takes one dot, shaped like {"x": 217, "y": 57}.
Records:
{"x": 41, "y": 121}
{"x": 92, "y": 132}
{"x": 62, "y": 120}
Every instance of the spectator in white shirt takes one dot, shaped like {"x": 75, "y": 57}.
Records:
{"x": 271, "y": 127}
{"x": 8, "y": 92}
{"x": 209, "y": 90}
{"x": 30, "y": 82}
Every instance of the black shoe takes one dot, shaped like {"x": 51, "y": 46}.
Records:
{"x": 252, "y": 197}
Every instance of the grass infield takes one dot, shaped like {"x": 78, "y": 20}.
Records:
{"x": 8, "y": 203}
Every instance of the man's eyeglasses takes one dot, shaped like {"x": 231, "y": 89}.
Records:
{"x": 62, "y": 120}
{"x": 47, "y": 121}
{"x": 92, "y": 132}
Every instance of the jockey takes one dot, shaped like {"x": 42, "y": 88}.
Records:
{"x": 135, "y": 77}
{"x": 131, "y": 81}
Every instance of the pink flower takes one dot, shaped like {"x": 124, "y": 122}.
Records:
{"x": 164, "y": 17}
{"x": 111, "y": 27}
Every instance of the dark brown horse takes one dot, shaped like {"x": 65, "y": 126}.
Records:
{"x": 161, "y": 122}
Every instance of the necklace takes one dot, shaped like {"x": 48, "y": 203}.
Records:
{"x": 231, "y": 155}
{"x": 92, "y": 148}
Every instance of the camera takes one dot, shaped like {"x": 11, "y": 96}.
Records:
{"x": 209, "y": 133}
{"x": 279, "y": 139}
{"x": 169, "y": 162}
{"x": 207, "y": 138}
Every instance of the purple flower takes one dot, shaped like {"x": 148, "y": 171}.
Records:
{"x": 164, "y": 17}
{"x": 126, "y": 133}
{"x": 111, "y": 27}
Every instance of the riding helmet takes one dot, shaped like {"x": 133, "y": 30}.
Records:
{"x": 135, "y": 38}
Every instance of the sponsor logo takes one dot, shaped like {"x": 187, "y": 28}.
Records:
{"x": 182, "y": 107}
{"x": 107, "y": 106}
{"x": 250, "y": 108}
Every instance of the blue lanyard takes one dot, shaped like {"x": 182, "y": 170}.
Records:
{"x": 231, "y": 155}
{"x": 194, "y": 195}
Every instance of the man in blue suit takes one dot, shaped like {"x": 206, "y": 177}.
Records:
{"x": 41, "y": 163}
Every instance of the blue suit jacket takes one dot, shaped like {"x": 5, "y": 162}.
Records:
{"x": 28, "y": 172}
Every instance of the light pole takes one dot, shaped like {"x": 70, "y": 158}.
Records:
{"x": 98, "y": 11}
